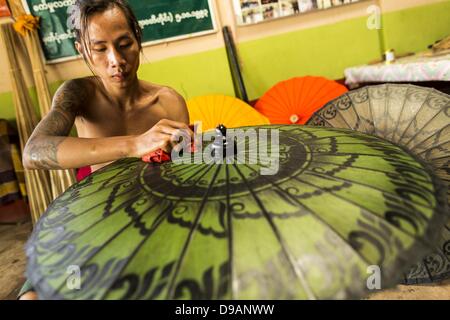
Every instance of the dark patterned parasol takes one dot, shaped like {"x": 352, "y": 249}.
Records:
{"x": 340, "y": 202}
{"x": 415, "y": 117}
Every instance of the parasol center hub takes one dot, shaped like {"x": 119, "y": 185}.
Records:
{"x": 294, "y": 118}
{"x": 223, "y": 145}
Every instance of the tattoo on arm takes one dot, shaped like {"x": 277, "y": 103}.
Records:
{"x": 42, "y": 148}
{"x": 43, "y": 145}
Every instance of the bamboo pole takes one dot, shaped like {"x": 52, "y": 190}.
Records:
{"x": 60, "y": 179}
{"x": 37, "y": 181}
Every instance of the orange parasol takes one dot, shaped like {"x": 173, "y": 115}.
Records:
{"x": 219, "y": 109}
{"x": 295, "y": 100}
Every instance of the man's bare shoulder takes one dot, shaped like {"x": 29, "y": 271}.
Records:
{"x": 171, "y": 95}
{"x": 168, "y": 97}
{"x": 159, "y": 90}
{"x": 175, "y": 104}
{"x": 78, "y": 85}
{"x": 72, "y": 94}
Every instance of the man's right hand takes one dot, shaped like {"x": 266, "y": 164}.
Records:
{"x": 164, "y": 135}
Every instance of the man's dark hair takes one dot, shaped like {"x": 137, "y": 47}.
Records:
{"x": 84, "y": 9}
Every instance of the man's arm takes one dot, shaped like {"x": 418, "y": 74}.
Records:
{"x": 41, "y": 150}
{"x": 49, "y": 147}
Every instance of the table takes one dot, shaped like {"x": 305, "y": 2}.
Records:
{"x": 421, "y": 67}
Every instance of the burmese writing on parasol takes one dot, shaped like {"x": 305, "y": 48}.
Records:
{"x": 418, "y": 119}
{"x": 304, "y": 215}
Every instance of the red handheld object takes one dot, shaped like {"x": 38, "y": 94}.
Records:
{"x": 160, "y": 156}
{"x": 157, "y": 156}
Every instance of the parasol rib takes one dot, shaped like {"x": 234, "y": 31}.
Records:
{"x": 234, "y": 282}
{"x": 102, "y": 204}
{"x": 411, "y": 121}
{"x": 312, "y": 213}
{"x": 373, "y": 214}
{"x": 158, "y": 221}
{"x": 170, "y": 291}
{"x": 297, "y": 271}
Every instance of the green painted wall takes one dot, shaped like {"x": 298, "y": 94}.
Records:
{"x": 328, "y": 50}
{"x": 6, "y": 106}
{"x": 413, "y": 30}
{"x": 324, "y": 51}
{"x": 192, "y": 75}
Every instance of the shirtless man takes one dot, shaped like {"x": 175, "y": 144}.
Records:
{"x": 116, "y": 114}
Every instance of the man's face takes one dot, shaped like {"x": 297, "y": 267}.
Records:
{"x": 114, "y": 51}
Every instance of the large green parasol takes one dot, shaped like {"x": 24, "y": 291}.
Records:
{"x": 415, "y": 117}
{"x": 341, "y": 203}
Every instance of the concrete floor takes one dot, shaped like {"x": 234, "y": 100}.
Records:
{"x": 13, "y": 262}
{"x": 12, "y": 259}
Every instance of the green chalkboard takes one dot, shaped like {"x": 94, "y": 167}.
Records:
{"x": 161, "y": 20}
